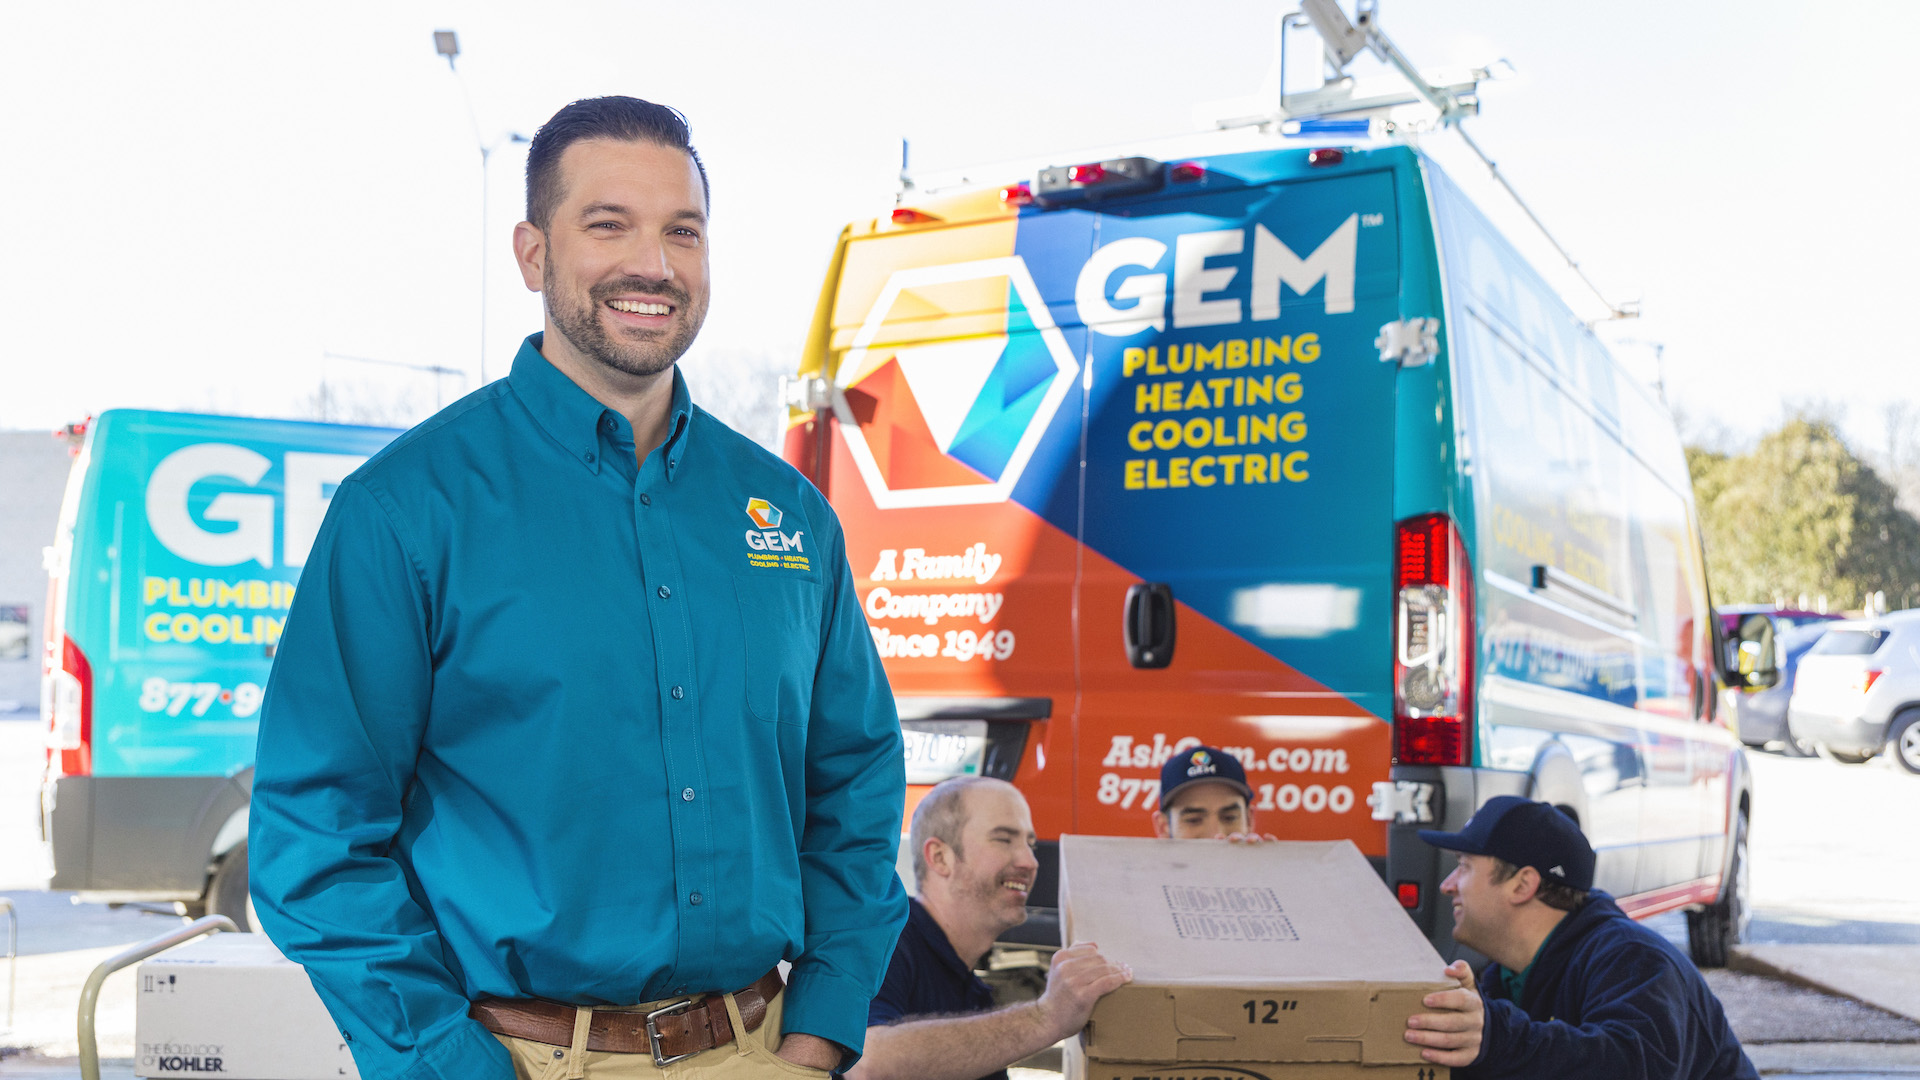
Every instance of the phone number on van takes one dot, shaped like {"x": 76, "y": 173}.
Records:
{"x": 173, "y": 698}
{"x": 1313, "y": 798}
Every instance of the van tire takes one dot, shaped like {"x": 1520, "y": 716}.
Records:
{"x": 1713, "y": 931}
{"x": 1903, "y": 740}
{"x": 227, "y": 890}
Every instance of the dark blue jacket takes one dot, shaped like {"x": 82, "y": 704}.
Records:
{"x": 1610, "y": 999}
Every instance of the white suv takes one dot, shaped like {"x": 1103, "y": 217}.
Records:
{"x": 1858, "y": 690}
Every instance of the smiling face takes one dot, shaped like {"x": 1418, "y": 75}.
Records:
{"x": 1204, "y": 811}
{"x": 622, "y": 263}
{"x": 994, "y": 867}
{"x": 1482, "y": 907}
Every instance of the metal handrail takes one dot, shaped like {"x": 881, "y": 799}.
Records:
{"x": 90, "y": 993}
{"x": 13, "y": 960}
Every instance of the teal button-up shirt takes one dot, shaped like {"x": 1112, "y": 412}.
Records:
{"x": 549, "y": 722}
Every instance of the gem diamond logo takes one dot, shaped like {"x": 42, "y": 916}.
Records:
{"x": 952, "y": 421}
{"x": 764, "y": 514}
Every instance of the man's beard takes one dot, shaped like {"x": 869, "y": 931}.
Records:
{"x": 987, "y": 890}
{"x": 581, "y": 324}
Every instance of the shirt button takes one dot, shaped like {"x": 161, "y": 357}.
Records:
{"x": 665, "y": 592}
{"x": 646, "y": 499}
{"x": 589, "y": 457}
{"x": 694, "y": 899}
{"x": 686, "y": 794}
{"x": 678, "y": 692}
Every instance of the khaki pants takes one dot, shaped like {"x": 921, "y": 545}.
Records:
{"x": 748, "y": 1057}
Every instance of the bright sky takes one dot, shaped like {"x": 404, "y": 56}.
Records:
{"x": 206, "y": 199}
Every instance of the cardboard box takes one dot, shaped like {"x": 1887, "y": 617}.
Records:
{"x": 1246, "y": 959}
{"x": 231, "y": 1006}
{"x": 1077, "y": 1067}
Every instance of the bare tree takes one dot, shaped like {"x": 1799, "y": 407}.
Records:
{"x": 740, "y": 387}
{"x": 361, "y": 401}
{"x": 1902, "y": 463}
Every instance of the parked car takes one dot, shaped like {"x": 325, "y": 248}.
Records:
{"x": 1859, "y": 691}
{"x": 1760, "y": 715}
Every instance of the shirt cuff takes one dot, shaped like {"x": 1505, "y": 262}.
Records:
{"x": 828, "y": 1006}
{"x": 468, "y": 1052}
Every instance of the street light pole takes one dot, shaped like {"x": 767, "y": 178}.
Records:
{"x": 447, "y": 43}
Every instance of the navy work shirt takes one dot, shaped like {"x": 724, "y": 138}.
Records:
{"x": 1607, "y": 999}
{"x": 550, "y": 722}
{"x": 927, "y": 978}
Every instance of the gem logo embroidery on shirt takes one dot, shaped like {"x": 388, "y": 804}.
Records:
{"x": 769, "y": 547}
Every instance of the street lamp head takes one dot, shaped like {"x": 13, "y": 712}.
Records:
{"x": 447, "y": 44}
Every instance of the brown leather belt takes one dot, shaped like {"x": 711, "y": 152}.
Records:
{"x": 676, "y": 1031}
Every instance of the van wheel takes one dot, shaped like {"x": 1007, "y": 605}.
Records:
{"x": 227, "y": 892}
{"x": 1904, "y": 740}
{"x": 1713, "y": 931}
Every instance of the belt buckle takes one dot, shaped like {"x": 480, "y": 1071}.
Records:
{"x": 653, "y": 1033}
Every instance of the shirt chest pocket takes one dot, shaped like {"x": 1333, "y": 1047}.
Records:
{"x": 780, "y": 625}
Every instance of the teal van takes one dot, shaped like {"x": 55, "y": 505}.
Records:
{"x": 178, "y": 550}
{"x": 1286, "y": 452}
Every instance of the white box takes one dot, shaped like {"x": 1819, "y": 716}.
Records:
{"x": 231, "y": 1006}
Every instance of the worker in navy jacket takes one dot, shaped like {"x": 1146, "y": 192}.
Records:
{"x": 1575, "y": 987}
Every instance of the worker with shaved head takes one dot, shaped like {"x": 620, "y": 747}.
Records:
{"x": 934, "y": 1019}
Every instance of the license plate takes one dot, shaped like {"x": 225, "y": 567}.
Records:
{"x": 941, "y": 749}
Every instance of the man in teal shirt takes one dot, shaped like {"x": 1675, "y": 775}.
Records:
{"x": 575, "y": 708}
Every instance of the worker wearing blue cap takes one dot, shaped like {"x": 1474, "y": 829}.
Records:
{"x": 1204, "y": 796}
{"x": 1575, "y": 987}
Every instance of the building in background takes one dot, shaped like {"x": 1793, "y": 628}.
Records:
{"x": 33, "y": 471}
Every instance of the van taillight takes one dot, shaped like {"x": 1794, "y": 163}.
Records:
{"x": 1432, "y": 644}
{"x": 67, "y": 706}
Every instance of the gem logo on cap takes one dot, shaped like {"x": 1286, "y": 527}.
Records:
{"x": 1200, "y": 765}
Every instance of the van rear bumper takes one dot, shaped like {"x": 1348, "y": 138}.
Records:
{"x": 137, "y": 837}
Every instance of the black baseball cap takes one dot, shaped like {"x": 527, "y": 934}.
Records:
{"x": 1524, "y": 833}
{"x": 1201, "y": 765}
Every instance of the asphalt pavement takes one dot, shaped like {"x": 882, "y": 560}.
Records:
{"x": 1829, "y": 984}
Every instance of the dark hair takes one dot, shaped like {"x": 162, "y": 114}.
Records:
{"x": 627, "y": 119}
{"x": 1554, "y": 894}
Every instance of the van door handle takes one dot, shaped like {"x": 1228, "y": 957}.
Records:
{"x": 1149, "y": 627}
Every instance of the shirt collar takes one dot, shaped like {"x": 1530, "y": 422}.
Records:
{"x": 929, "y": 928}
{"x": 1516, "y": 981}
{"x": 573, "y": 417}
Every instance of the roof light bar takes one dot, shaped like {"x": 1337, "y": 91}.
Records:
{"x": 1098, "y": 180}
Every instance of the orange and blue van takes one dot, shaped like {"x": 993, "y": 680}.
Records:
{"x": 1287, "y": 452}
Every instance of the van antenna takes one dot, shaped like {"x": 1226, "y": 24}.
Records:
{"x": 1344, "y": 40}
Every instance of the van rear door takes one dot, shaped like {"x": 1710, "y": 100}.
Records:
{"x": 952, "y": 458}
{"x": 1239, "y": 478}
